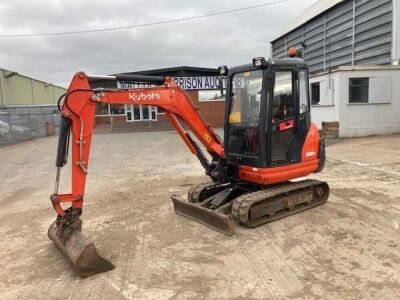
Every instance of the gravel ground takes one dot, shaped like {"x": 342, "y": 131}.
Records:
{"x": 345, "y": 249}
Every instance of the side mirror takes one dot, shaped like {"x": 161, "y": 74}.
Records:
{"x": 223, "y": 72}
{"x": 221, "y": 85}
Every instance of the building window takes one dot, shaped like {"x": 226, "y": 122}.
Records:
{"x": 140, "y": 112}
{"x": 153, "y": 111}
{"x": 358, "y": 90}
{"x": 105, "y": 109}
{"x": 211, "y": 95}
{"x": 315, "y": 94}
{"x": 117, "y": 109}
{"x": 102, "y": 109}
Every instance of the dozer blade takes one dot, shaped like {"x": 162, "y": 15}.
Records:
{"x": 80, "y": 252}
{"x": 215, "y": 219}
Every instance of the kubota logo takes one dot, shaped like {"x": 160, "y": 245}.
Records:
{"x": 141, "y": 96}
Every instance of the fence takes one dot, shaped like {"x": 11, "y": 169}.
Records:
{"x": 21, "y": 124}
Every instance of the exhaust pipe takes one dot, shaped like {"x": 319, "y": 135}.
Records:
{"x": 78, "y": 250}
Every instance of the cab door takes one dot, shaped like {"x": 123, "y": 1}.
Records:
{"x": 283, "y": 121}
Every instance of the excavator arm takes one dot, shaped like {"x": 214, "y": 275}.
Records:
{"x": 78, "y": 113}
{"x": 77, "y": 122}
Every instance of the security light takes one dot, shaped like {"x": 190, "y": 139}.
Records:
{"x": 259, "y": 62}
{"x": 223, "y": 70}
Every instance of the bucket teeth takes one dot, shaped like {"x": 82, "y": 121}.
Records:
{"x": 91, "y": 263}
{"x": 79, "y": 252}
{"x": 215, "y": 219}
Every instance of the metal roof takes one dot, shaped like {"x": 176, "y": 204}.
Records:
{"x": 5, "y": 71}
{"x": 309, "y": 13}
{"x": 352, "y": 32}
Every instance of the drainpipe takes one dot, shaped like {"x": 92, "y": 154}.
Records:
{"x": 54, "y": 95}
{"x": 33, "y": 94}
{"x": 353, "y": 40}
{"x": 1, "y": 88}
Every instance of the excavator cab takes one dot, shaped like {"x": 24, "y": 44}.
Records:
{"x": 267, "y": 112}
{"x": 269, "y": 140}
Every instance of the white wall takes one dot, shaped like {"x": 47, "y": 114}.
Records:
{"x": 327, "y": 110}
{"x": 381, "y": 115}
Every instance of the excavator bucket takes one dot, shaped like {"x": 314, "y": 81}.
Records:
{"x": 219, "y": 219}
{"x": 79, "y": 251}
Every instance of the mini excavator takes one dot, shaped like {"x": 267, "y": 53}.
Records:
{"x": 269, "y": 143}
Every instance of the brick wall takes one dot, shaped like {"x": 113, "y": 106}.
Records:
{"x": 212, "y": 112}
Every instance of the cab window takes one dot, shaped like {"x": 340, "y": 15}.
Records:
{"x": 282, "y": 103}
{"x": 244, "y": 114}
{"x": 303, "y": 92}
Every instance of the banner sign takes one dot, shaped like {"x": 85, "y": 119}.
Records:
{"x": 200, "y": 83}
{"x": 187, "y": 83}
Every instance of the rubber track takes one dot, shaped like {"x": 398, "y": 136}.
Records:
{"x": 242, "y": 205}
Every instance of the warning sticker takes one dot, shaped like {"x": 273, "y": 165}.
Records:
{"x": 207, "y": 137}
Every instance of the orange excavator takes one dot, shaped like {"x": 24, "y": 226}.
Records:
{"x": 269, "y": 140}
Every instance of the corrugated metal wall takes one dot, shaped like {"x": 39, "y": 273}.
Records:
{"x": 353, "y": 32}
{"x": 22, "y": 90}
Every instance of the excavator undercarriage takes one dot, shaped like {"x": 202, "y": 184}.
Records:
{"x": 220, "y": 205}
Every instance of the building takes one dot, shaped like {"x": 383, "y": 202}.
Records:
{"x": 353, "y": 51}
{"x": 202, "y": 85}
{"x": 27, "y": 107}
{"x": 17, "y": 90}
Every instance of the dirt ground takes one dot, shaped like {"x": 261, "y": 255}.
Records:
{"x": 346, "y": 249}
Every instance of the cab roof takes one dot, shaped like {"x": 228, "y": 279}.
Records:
{"x": 287, "y": 62}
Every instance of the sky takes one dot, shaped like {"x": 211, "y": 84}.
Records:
{"x": 230, "y": 39}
